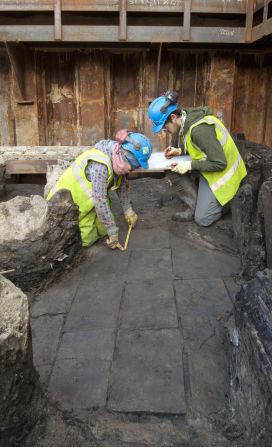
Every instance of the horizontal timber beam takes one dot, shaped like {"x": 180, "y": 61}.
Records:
{"x": 73, "y": 33}
{"x": 208, "y": 6}
{"x": 264, "y": 29}
{"x": 15, "y": 168}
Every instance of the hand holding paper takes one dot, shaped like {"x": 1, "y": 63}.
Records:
{"x": 159, "y": 161}
{"x": 182, "y": 167}
{"x": 172, "y": 152}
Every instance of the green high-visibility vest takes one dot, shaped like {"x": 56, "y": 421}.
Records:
{"x": 224, "y": 184}
{"x": 74, "y": 180}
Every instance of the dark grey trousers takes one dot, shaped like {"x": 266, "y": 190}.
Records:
{"x": 208, "y": 209}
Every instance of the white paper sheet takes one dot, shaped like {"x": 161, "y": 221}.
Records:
{"x": 159, "y": 161}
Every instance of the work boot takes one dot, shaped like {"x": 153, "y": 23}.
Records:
{"x": 183, "y": 216}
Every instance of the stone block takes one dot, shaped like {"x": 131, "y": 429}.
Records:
{"x": 79, "y": 383}
{"x": 147, "y": 374}
{"x": 191, "y": 261}
{"x": 46, "y": 331}
{"x": 150, "y": 264}
{"x": 149, "y": 304}
{"x": 20, "y": 392}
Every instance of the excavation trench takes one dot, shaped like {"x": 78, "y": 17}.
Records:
{"x": 152, "y": 346}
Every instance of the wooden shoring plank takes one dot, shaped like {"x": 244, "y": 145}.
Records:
{"x": 91, "y": 5}
{"x": 157, "y": 6}
{"x": 123, "y": 20}
{"x": 13, "y": 167}
{"x": 268, "y": 27}
{"x": 258, "y": 4}
{"x": 187, "y": 19}
{"x": 265, "y": 17}
{"x": 38, "y": 167}
{"x": 17, "y": 60}
{"x": 57, "y": 19}
{"x": 265, "y": 11}
{"x": 21, "y": 61}
{"x": 257, "y": 32}
{"x": 249, "y": 20}
{"x": 75, "y": 33}
{"x": 26, "y": 5}
{"x": 262, "y": 30}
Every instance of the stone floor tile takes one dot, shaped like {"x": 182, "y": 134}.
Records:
{"x": 46, "y": 332}
{"x": 149, "y": 304}
{"x": 79, "y": 383}
{"x": 55, "y": 300}
{"x": 105, "y": 264}
{"x": 190, "y": 261}
{"x": 87, "y": 344}
{"x": 209, "y": 379}
{"x": 202, "y": 306}
{"x": 96, "y": 305}
{"x": 150, "y": 264}
{"x": 147, "y": 373}
{"x": 155, "y": 238}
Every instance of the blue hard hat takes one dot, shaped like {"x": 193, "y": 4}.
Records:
{"x": 156, "y": 115}
{"x": 140, "y": 146}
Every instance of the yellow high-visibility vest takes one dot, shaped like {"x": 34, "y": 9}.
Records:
{"x": 224, "y": 184}
{"x": 74, "y": 180}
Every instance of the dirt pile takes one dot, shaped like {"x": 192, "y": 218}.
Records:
{"x": 252, "y": 221}
{"x": 250, "y": 333}
{"x": 20, "y": 392}
{"x": 38, "y": 238}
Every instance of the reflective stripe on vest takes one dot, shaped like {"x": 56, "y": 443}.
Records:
{"x": 222, "y": 129}
{"x": 76, "y": 173}
{"x": 226, "y": 177}
{"x": 224, "y": 184}
{"x": 96, "y": 156}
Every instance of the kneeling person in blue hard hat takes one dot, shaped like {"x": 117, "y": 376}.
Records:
{"x": 212, "y": 150}
{"x": 94, "y": 174}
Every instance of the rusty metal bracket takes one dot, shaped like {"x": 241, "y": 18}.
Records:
{"x": 123, "y": 20}
{"x": 187, "y": 20}
{"x": 57, "y": 20}
{"x": 22, "y": 62}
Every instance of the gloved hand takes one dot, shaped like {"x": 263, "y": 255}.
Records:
{"x": 131, "y": 217}
{"x": 113, "y": 241}
{"x": 182, "y": 167}
{"x": 172, "y": 152}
